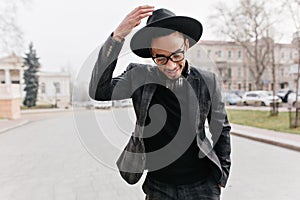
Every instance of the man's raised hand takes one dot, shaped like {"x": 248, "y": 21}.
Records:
{"x": 132, "y": 20}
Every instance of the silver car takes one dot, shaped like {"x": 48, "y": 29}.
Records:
{"x": 260, "y": 97}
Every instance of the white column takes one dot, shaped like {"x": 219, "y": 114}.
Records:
{"x": 7, "y": 76}
{"x": 21, "y": 73}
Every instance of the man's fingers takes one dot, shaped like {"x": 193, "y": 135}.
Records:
{"x": 144, "y": 7}
{"x": 133, "y": 19}
{"x": 140, "y": 8}
{"x": 142, "y": 11}
{"x": 141, "y": 16}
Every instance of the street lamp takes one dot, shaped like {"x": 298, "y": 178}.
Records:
{"x": 55, "y": 97}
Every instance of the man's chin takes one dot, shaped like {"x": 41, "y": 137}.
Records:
{"x": 173, "y": 77}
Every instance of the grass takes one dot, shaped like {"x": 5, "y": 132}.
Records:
{"x": 262, "y": 119}
{"x": 38, "y": 107}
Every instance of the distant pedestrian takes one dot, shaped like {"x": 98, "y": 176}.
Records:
{"x": 172, "y": 100}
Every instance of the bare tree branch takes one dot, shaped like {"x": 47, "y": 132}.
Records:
{"x": 11, "y": 36}
{"x": 248, "y": 24}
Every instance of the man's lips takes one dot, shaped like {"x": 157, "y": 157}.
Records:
{"x": 173, "y": 71}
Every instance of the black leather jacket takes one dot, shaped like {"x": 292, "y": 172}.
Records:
{"x": 137, "y": 83}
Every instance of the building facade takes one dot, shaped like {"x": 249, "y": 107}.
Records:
{"x": 54, "y": 87}
{"x": 230, "y": 61}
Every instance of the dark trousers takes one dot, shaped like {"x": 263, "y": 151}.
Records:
{"x": 206, "y": 189}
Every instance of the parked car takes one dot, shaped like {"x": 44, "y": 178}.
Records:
{"x": 126, "y": 102}
{"x": 231, "y": 98}
{"x": 122, "y": 103}
{"x": 240, "y": 93}
{"x": 102, "y": 104}
{"x": 260, "y": 97}
{"x": 292, "y": 98}
{"x": 82, "y": 104}
{"x": 283, "y": 94}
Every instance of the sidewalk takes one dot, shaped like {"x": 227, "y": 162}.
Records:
{"x": 6, "y": 125}
{"x": 285, "y": 140}
{"x": 51, "y": 110}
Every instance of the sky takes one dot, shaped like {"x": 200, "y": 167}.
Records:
{"x": 66, "y": 32}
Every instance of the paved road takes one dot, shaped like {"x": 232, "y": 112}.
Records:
{"x": 46, "y": 160}
{"x": 262, "y": 171}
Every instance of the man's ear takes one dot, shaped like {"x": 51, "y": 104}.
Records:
{"x": 187, "y": 43}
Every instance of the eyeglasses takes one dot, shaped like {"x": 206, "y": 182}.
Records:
{"x": 175, "y": 57}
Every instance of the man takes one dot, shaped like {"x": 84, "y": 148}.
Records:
{"x": 172, "y": 100}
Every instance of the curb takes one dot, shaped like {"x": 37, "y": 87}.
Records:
{"x": 14, "y": 126}
{"x": 34, "y": 111}
{"x": 268, "y": 141}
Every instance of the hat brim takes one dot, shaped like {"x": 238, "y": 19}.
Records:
{"x": 141, "y": 40}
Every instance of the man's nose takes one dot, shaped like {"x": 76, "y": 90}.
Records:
{"x": 170, "y": 64}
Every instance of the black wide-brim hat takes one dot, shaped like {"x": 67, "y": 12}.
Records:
{"x": 161, "y": 20}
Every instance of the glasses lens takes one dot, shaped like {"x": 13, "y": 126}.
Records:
{"x": 177, "y": 57}
{"x": 160, "y": 60}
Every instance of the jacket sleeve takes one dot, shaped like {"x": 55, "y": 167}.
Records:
{"x": 103, "y": 86}
{"x": 219, "y": 125}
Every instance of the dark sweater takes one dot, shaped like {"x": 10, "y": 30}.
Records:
{"x": 188, "y": 168}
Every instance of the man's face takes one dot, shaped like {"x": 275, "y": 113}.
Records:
{"x": 171, "y": 45}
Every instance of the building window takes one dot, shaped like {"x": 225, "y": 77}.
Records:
{"x": 43, "y": 88}
{"x": 291, "y": 55}
{"x": 239, "y": 72}
{"x": 282, "y": 72}
{"x": 219, "y": 53}
{"x": 57, "y": 87}
{"x": 249, "y": 86}
{"x": 229, "y": 72}
{"x": 208, "y": 53}
{"x": 198, "y": 53}
{"x": 15, "y": 82}
{"x": 239, "y": 54}
{"x": 229, "y": 86}
{"x": 229, "y": 54}
{"x": 239, "y": 86}
{"x": 282, "y": 55}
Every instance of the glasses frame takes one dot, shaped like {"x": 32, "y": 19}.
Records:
{"x": 170, "y": 57}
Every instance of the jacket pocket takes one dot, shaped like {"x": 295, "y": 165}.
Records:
{"x": 132, "y": 161}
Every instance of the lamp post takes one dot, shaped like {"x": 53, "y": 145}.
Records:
{"x": 55, "y": 96}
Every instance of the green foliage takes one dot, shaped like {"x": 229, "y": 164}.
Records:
{"x": 31, "y": 79}
{"x": 44, "y": 106}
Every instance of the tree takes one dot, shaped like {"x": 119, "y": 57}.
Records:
{"x": 248, "y": 25}
{"x": 293, "y": 7}
{"x": 11, "y": 39}
{"x": 31, "y": 79}
{"x": 274, "y": 110}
